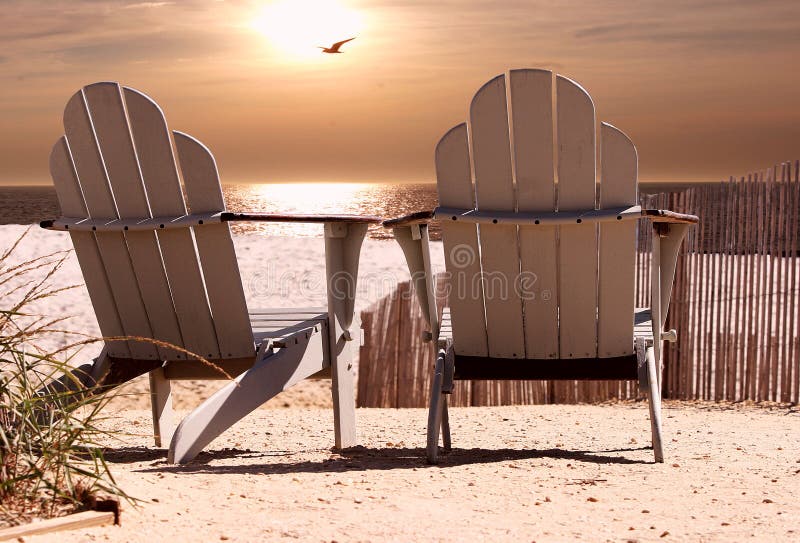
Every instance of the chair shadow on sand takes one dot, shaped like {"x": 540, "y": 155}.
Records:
{"x": 354, "y": 459}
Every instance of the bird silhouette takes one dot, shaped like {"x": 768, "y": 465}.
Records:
{"x": 335, "y": 47}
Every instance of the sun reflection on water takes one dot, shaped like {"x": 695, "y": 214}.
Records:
{"x": 383, "y": 199}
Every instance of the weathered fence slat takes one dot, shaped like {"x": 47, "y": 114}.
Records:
{"x": 736, "y": 307}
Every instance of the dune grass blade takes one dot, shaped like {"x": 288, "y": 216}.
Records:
{"x": 51, "y": 458}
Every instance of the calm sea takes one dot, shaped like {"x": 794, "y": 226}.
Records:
{"x": 31, "y": 204}
{"x": 28, "y": 205}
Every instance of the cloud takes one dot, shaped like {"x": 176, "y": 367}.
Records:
{"x": 605, "y": 30}
{"x": 147, "y": 5}
{"x": 698, "y": 36}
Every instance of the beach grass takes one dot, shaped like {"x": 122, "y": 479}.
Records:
{"x": 51, "y": 460}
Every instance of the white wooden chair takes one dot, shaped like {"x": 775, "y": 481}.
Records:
{"x": 161, "y": 271}
{"x": 541, "y": 271}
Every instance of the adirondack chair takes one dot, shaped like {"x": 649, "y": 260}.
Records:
{"x": 162, "y": 275}
{"x": 541, "y": 273}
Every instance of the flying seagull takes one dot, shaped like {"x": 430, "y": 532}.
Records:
{"x": 335, "y": 47}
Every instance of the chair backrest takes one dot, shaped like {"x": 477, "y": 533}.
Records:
{"x": 179, "y": 285}
{"x": 538, "y": 291}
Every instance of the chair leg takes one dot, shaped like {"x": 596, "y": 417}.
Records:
{"x": 654, "y": 401}
{"x": 342, "y": 251}
{"x": 161, "y": 404}
{"x": 267, "y": 378}
{"x": 435, "y": 410}
{"x": 343, "y": 395}
{"x": 445, "y": 425}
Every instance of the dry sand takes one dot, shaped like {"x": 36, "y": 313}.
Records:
{"x": 543, "y": 473}
{"x": 527, "y": 473}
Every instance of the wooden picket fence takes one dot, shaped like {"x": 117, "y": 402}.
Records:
{"x": 735, "y": 306}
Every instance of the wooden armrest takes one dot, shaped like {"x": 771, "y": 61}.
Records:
{"x": 666, "y": 216}
{"x": 229, "y": 216}
{"x": 134, "y": 224}
{"x": 655, "y": 215}
{"x": 420, "y": 217}
{"x": 161, "y": 223}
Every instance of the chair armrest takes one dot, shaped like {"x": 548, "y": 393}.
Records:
{"x": 413, "y": 240}
{"x": 229, "y": 216}
{"x": 667, "y": 240}
{"x": 164, "y": 223}
{"x": 133, "y": 224}
{"x": 419, "y": 217}
{"x": 655, "y": 215}
{"x": 666, "y": 216}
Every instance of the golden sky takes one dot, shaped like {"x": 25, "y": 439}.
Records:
{"x": 705, "y": 88}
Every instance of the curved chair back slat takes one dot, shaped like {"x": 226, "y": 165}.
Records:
{"x": 460, "y": 240}
{"x": 155, "y": 282}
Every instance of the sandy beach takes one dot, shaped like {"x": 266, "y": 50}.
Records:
{"x": 535, "y": 473}
{"x": 527, "y": 473}
{"x": 546, "y": 136}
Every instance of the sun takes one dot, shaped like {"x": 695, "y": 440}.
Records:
{"x": 299, "y": 27}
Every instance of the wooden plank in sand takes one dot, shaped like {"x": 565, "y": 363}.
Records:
{"x": 85, "y": 519}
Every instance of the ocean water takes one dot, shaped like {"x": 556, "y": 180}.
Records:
{"x": 31, "y": 204}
